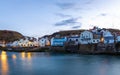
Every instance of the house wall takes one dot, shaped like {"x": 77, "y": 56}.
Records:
{"x": 44, "y": 42}
{"x": 86, "y": 37}
{"x": 108, "y": 37}
{"x": 94, "y": 41}
{"x": 24, "y": 43}
{"x": 58, "y": 41}
{"x": 118, "y": 39}
{"x": 73, "y": 40}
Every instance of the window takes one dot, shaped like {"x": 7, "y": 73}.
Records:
{"x": 97, "y": 40}
{"x": 76, "y": 39}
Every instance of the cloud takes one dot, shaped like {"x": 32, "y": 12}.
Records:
{"x": 89, "y": 1}
{"x": 65, "y": 5}
{"x": 76, "y": 27}
{"x": 70, "y": 21}
{"x": 103, "y": 14}
{"x": 62, "y": 15}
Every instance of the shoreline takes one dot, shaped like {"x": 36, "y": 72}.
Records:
{"x": 91, "y": 49}
{"x": 65, "y": 51}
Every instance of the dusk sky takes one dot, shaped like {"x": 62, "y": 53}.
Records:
{"x": 42, "y": 17}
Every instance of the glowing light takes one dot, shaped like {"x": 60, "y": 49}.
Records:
{"x": 23, "y": 55}
{"x": 3, "y": 55}
{"x": 4, "y": 63}
{"x": 102, "y": 40}
{"x": 14, "y": 56}
{"x": 48, "y": 43}
{"x": 29, "y": 55}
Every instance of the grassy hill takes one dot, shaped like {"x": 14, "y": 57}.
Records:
{"x": 76, "y": 32}
{"x": 9, "y": 36}
{"x": 68, "y": 32}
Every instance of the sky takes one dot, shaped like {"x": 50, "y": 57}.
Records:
{"x": 43, "y": 17}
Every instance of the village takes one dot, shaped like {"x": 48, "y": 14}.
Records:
{"x": 92, "y": 40}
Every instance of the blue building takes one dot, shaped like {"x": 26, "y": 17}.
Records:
{"x": 58, "y": 41}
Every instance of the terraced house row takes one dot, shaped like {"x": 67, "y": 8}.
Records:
{"x": 92, "y": 36}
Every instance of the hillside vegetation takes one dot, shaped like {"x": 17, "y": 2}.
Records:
{"x": 76, "y": 32}
{"x": 9, "y": 36}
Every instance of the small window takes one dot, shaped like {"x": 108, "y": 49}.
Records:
{"x": 97, "y": 40}
{"x": 70, "y": 40}
{"x": 76, "y": 39}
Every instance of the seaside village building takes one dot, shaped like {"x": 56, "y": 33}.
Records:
{"x": 102, "y": 35}
{"x": 93, "y": 36}
{"x": 73, "y": 40}
{"x": 58, "y": 41}
{"x": 2, "y": 43}
{"x": 118, "y": 39}
{"x": 27, "y": 42}
{"x": 86, "y": 37}
{"x": 96, "y": 35}
{"x": 44, "y": 41}
{"x": 108, "y": 37}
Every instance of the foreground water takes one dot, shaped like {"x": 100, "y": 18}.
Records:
{"x": 12, "y": 63}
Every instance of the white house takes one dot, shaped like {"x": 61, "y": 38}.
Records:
{"x": 15, "y": 44}
{"x": 86, "y": 37}
{"x": 2, "y": 43}
{"x": 118, "y": 39}
{"x": 25, "y": 43}
{"x": 108, "y": 37}
{"x": 44, "y": 41}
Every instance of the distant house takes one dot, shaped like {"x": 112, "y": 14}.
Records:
{"x": 96, "y": 35}
{"x": 86, "y": 37}
{"x": 118, "y": 39}
{"x": 75, "y": 39}
{"x": 36, "y": 43}
{"x": 96, "y": 38}
{"x": 9, "y": 44}
{"x": 44, "y": 41}
{"x": 58, "y": 41}
{"x": 108, "y": 37}
{"x": 15, "y": 44}
{"x": 2, "y": 43}
{"x": 102, "y": 35}
{"x": 25, "y": 43}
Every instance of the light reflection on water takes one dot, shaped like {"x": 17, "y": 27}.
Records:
{"x": 27, "y": 63}
{"x": 4, "y": 63}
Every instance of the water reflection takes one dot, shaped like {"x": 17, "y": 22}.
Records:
{"x": 23, "y": 55}
{"x": 29, "y": 56}
{"x": 4, "y": 63}
{"x": 14, "y": 56}
{"x": 15, "y": 63}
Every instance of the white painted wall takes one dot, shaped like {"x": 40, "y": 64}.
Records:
{"x": 86, "y": 37}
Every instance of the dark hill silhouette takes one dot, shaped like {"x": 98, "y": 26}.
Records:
{"x": 9, "y": 36}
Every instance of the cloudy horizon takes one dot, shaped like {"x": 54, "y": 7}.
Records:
{"x": 43, "y": 17}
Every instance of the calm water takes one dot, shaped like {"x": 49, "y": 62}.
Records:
{"x": 12, "y": 63}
